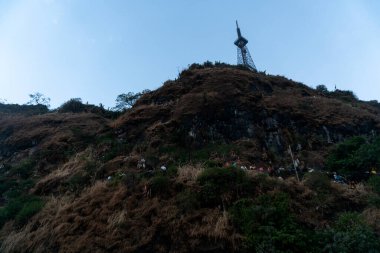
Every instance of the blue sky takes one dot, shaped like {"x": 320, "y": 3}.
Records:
{"x": 97, "y": 49}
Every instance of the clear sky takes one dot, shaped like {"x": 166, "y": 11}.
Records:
{"x": 97, "y": 49}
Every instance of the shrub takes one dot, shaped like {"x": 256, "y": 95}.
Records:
{"x": 172, "y": 171}
{"x": 160, "y": 184}
{"x": 21, "y": 209}
{"x": 374, "y": 183}
{"x": 74, "y": 105}
{"x": 354, "y": 156}
{"x": 215, "y": 182}
{"x": 322, "y": 88}
{"x": 23, "y": 169}
{"x": 23, "y": 109}
{"x": 7, "y": 184}
{"x": 345, "y": 95}
{"x": 269, "y": 226}
{"x": 374, "y": 200}
{"x": 29, "y": 209}
{"x": 115, "y": 149}
{"x": 350, "y": 234}
{"x": 3, "y": 216}
{"x": 187, "y": 201}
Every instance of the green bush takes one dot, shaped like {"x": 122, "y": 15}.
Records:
{"x": 74, "y": 105}
{"x": 3, "y": 216}
{"x": 21, "y": 209}
{"x": 269, "y": 226}
{"x": 24, "y": 169}
{"x": 374, "y": 183}
{"x": 354, "y": 156}
{"x": 172, "y": 171}
{"x": 160, "y": 184}
{"x": 6, "y": 184}
{"x": 374, "y": 200}
{"x": 322, "y": 88}
{"x": 29, "y": 209}
{"x": 115, "y": 149}
{"x": 351, "y": 235}
{"x": 215, "y": 182}
{"x": 187, "y": 201}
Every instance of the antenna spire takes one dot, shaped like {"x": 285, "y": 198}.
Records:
{"x": 243, "y": 55}
{"x": 238, "y": 30}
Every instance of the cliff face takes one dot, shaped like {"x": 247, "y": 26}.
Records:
{"x": 224, "y": 105}
{"x": 207, "y": 116}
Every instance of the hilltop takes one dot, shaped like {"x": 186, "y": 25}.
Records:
{"x": 85, "y": 181}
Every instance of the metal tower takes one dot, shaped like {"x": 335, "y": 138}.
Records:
{"x": 243, "y": 55}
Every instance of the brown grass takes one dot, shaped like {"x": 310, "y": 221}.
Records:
{"x": 56, "y": 177}
{"x": 117, "y": 220}
{"x": 372, "y": 217}
{"x": 188, "y": 174}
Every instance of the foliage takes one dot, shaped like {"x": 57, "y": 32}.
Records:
{"x": 354, "y": 155}
{"x": 217, "y": 182}
{"x": 269, "y": 226}
{"x": 117, "y": 178}
{"x": 322, "y": 88}
{"x": 21, "y": 209}
{"x": 7, "y": 184}
{"x": 23, "y": 109}
{"x": 374, "y": 198}
{"x": 73, "y": 105}
{"x": 350, "y": 234}
{"x": 187, "y": 201}
{"x": 30, "y": 208}
{"x": 374, "y": 183}
{"x": 39, "y": 99}
{"x": 344, "y": 95}
{"x": 160, "y": 184}
{"x": 23, "y": 169}
{"x": 127, "y": 100}
{"x": 115, "y": 149}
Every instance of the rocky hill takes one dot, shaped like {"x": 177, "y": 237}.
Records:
{"x": 193, "y": 166}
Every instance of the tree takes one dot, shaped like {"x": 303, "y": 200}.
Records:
{"x": 322, "y": 88}
{"x": 126, "y": 101}
{"x": 39, "y": 99}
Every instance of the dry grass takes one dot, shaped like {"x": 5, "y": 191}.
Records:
{"x": 215, "y": 226}
{"x": 117, "y": 220}
{"x": 372, "y": 217}
{"x": 358, "y": 194}
{"x": 188, "y": 174}
{"x": 29, "y": 239}
{"x": 74, "y": 165}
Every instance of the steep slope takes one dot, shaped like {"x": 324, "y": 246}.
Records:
{"x": 84, "y": 169}
{"x": 267, "y": 113}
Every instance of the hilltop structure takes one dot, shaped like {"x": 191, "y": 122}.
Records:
{"x": 243, "y": 55}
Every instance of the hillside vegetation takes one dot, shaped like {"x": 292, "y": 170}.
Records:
{"x": 201, "y": 164}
